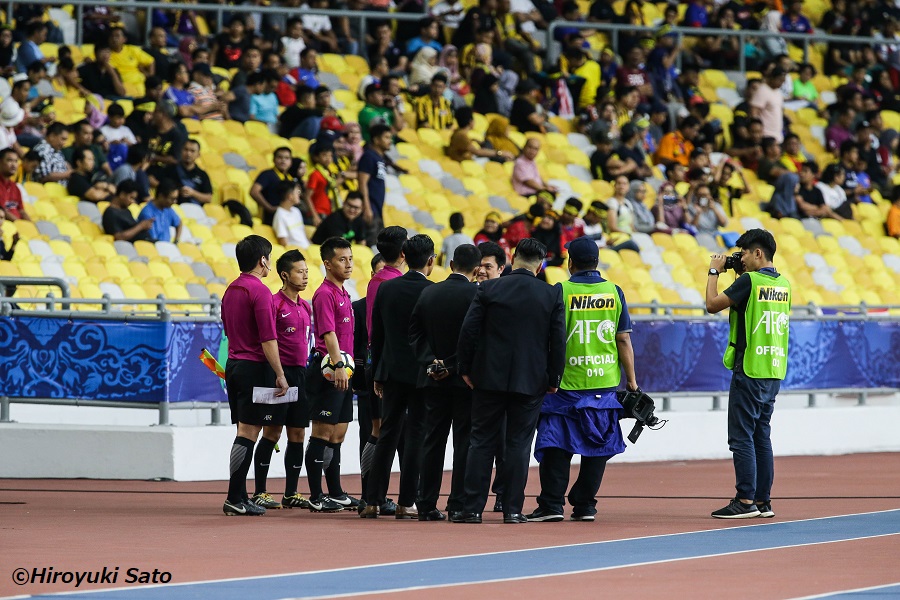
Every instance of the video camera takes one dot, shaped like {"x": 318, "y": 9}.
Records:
{"x": 734, "y": 262}
{"x": 639, "y": 406}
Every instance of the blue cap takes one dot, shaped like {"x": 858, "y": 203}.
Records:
{"x": 583, "y": 250}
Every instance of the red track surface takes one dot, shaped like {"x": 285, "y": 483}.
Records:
{"x": 179, "y": 527}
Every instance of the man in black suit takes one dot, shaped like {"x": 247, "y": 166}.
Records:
{"x": 434, "y": 334}
{"x": 396, "y": 375}
{"x": 512, "y": 350}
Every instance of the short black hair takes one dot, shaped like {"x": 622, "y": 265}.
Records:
{"x": 126, "y": 186}
{"x": 255, "y": 79}
{"x": 378, "y": 129}
{"x": 418, "y": 250}
{"x": 165, "y": 187}
{"x": 354, "y": 195}
{"x": 466, "y": 258}
{"x": 136, "y": 154}
{"x": 328, "y": 247}
{"x": 757, "y": 238}
{"x": 690, "y": 121}
{"x": 283, "y": 188}
{"x": 812, "y": 165}
{"x": 304, "y": 90}
{"x": 115, "y": 110}
{"x": 390, "y": 242}
{"x": 249, "y": 250}
{"x": 282, "y": 149}
{"x": 591, "y": 265}
{"x": 36, "y": 66}
{"x": 440, "y": 77}
{"x": 493, "y": 249}
{"x": 6, "y": 151}
{"x": 286, "y": 261}
{"x": 531, "y": 251}
{"x": 848, "y": 146}
{"x": 457, "y": 221}
{"x": 192, "y": 141}
{"x": 464, "y": 115}
{"x": 378, "y": 258}
{"x": 79, "y": 152}
{"x": 56, "y": 128}
{"x": 305, "y": 52}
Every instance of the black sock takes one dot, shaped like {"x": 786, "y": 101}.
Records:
{"x": 315, "y": 451}
{"x": 365, "y": 462}
{"x": 327, "y": 456}
{"x": 261, "y": 460}
{"x": 333, "y": 471}
{"x": 241, "y": 459}
{"x": 293, "y": 462}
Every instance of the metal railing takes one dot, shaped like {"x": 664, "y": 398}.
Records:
{"x": 163, "y": 407}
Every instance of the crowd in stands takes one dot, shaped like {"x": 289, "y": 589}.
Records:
{"x": 673, "y": 159}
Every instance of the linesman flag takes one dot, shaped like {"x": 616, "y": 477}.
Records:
{"x": 211, "y": 363}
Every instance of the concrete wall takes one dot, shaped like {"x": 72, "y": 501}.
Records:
{"x": 196, "y": 452}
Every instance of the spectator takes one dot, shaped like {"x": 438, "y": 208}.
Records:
{"x": 322, "y": 184}
{"x": 194, "y": 184}
{"x": 161, "y": 213}
{"x": 302, "y": 119}
{"x": 118, "y": 136}
{"x": 804, "y": 88}
{"x": 7, "y": 52}
{"x": 620, "y": 212}
{"x": 580, "y": 64}
{"x": 490, "y": 98}
{"x": 263, "y": 190}
{"x": 30, "y": 49}
{"x": 80, "y": 183}
{"x": 288, "y": 221}
{"x": 831, "y": 185}
{"x": 423, "y": 69}
{"x": 427, "y": 38}
{"x": 118, "y": 220}
{"x": 293, "y": 43}
{"x": 628, "y": 158}
{"x": 676, "y": 147}
{"x": 892, "y": 223}
{"x": 449, "y": 61}
{"x": 11, "y": 116}
{"x": 524, "y": 114}
{"x": 462, "y": 147}
{"x": 318, "y": 29}
{"x": 454, "y": 240}
{"x": 166, "y": 141}
{"x": 41, "y": 88}
{"x": 671, "y": 209}
{"x": 239, "y": 107}
{"x": 520, "y": 227}
{"x": 372, "y": 174}
{"x": 601, "y": 156}
{"x": 696, "y": 14}
{"x": 749, "y": 149}
{"x": 743, "y": 112}
{"x": 570, "y": 223}
{"x": 809, "y": 198}
{"x": 133, "y": 64}
{"x": 433, "y": 111}
{"x": 849, "y": 157}
{"x": 841, "y": 130}
{"x": 53, "y": 165}
{"x": 632, "y": 74}
{"x": 644, "y": 221}
{"x": 99, "y": 77}
{"x": 206, "y": 101}
{"x": 7, "y": 253}
{"x": 385, "y": 46}
{"x": 767, "y": 104}
{"x": 773, "y": 171}
{"x": 346, "y": 223}
{"x": 251, "y": 62}
{"x": 722, "y": 188}
{"x": 353, "y": 135}
{"x": 705, "y": 212}
{"x": 307, "y": 73}
{"x": 344, "y": 164}
{"x": 548, "y": 233}
{"x": 497, "y": 137}
{"x": 375, "y": 112}
{"x": 135, "y": 169}
{"x": 793, "y": 21}
{"x": 264, "y": 102}
{"x": 84, "y": 138}
{"x": 378, "y": 70}
{"x": 156, "y": 49}
{"x": 526, "y": 179}
{"x": 793, "y": 156}
{"x": 10, "y": 194}
{"x": 139, "y": 119}
{"x": 228, "y": 47}
{"x": 492, "y": 231}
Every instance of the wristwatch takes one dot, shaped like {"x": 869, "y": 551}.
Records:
{"x": 714, "y": 272}
{"x": 339, "y": 365}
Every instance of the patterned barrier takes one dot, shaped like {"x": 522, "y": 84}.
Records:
{"x": 46, "y": 357}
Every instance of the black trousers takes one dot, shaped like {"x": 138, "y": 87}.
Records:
{"x": 488, "y": 409}
{"x": 403, "y": 414}
{"x": 554, "y": 471}
{"x": 445, "y": 407}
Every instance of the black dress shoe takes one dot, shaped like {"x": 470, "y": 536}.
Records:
{"x": 454, "y": 515}
{"x": 467, "y": 517}
{"x": 515, "y": 518}
{"x": 432, "y": 515}
{"x": 498, "y": 505}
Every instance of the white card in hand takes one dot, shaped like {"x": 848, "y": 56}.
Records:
{"x": 263, "y": 395}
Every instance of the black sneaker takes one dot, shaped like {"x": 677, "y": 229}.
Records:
{"x": 543, "y": 515}
{"x": 388, "y": 508}
{"x": 765, "y": 510}
{"x": 737, "y": 510}
{"x": 584, "y": 515}
{"x": 346, "y": 501}
{"x": 324, "y": 504}
{"x": 294, "y": 501}
{"x": 243, "y": 508}
{"x": 265, "y": 500}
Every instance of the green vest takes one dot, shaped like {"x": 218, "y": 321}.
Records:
{"x": 592, "y": 318}
{"x": 766, "y": 321}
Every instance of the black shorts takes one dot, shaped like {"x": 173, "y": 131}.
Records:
{"x": 327, "y": 403}
{"x": 241, "y": 376}
{"x": 297, "y": 412}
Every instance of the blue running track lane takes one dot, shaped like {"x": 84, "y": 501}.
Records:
{"x": 525, "y": 564}
{"x": 880, "y": 592}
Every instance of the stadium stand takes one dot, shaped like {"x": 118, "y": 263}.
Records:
{"x": 584, "y": 109}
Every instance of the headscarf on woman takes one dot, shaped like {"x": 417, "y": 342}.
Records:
{"x": 354, "y": 139}
{"x": 186, "y": 49}
{"x": 497, "y": 135}
{"x": 424, "y": 67}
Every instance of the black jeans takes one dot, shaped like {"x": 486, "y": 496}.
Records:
{"x": 403, "y": 415}
{"x": 554, "y": 471}
{"x": 488, "y": 409}
{"x": 445, "y": 407}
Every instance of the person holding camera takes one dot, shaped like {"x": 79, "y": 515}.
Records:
{"x": 760, "y": 303}
{"x": 582, "y": 417}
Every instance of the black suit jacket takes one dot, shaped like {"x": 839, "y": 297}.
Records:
{"x": 513, "y": 338}
{"x": 392, "y": 356}
{"x": 435, "y": 325}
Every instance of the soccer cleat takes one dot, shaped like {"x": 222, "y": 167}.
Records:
{"x": 242, "y": 508}
{"x": 388, "y": 508}
{"x": 265, "y": 500}
{"x": 542, "y": 515}
{"x": 765, "y": 510}
{"x": 324, "y": 504}
{"x": 295, "y": 501}
{"x": 346, "y": 501}
{"x": 737, "y": 510}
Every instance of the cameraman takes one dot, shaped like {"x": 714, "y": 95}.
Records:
{"x": 760, "y": 302}
{"x": 582, "y": 417}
